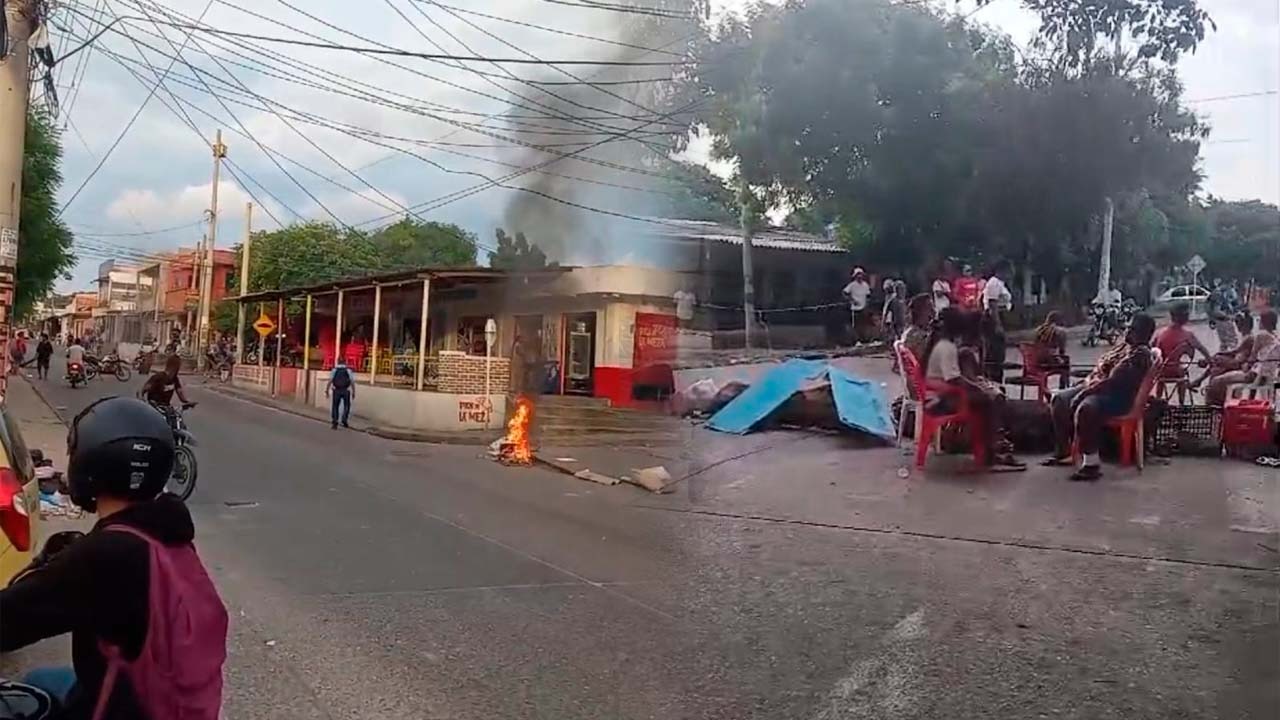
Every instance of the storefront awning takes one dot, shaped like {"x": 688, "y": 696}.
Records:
{"x": 441, "y": 278}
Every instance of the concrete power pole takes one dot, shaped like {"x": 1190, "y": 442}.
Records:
{"x": 206, "y": 276}
{"x": 14, "y": 93}
{"x": 1104, "y": 259}
{"x": 244, "y": 280}
{"x": 748, "y": 271}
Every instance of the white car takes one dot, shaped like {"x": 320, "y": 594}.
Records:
{"x": 1183, "y": 293}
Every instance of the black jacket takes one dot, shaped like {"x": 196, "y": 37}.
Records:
{"x": 96, "y": 588}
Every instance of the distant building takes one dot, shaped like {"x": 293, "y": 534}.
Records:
{"x": 169, "y": 300}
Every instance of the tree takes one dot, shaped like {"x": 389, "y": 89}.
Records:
{"x": 308, "y": 253}
{"x": 44, "y": 249}
{"x": 1071, "y": 30}
{"x": 413, "y": 243}
{"x": 694, "y": 193}
{"x": 516, "y": 254}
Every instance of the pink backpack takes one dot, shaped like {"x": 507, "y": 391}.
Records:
{"x": 178, "y": 674}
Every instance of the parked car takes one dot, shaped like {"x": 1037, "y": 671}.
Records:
{"x": 19, "y": 500}
{"x": 1183, "y": 293}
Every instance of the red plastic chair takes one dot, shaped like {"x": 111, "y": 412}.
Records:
{"x": 1033, "y": 374}
{"x": 1132, "y": 425}
{"x": 928, "y": 424}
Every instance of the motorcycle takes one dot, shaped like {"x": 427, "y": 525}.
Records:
{"x": 111, "y": 364}
{"x": 143, "y": 362}
{"x": 1105, "y": 325}
{"x": 182, "y": 481}
{"x": 76, "y": 374}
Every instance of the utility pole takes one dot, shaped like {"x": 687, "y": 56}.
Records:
{"x": 748, "y": 272}
{"x": 1104, "y": 259}
{"x": 14, "y": 94}
{"x": 206, "y": 283}
{"x": 244, "y": 281}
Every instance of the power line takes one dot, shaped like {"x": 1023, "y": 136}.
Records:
{"x": 627, "y": 9}
{"x": 129, "y": 125}
{"x": 398, "y": 52}
{"x": 557, "y": 31}
{"x": 308, "y": 193}
{"x": 1238, "y": 96}
{"x": 81, "y": 233}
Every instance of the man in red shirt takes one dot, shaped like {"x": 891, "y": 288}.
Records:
{"x": 1178, "y": 345}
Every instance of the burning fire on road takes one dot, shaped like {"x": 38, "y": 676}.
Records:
{"x": 516, "y": 448}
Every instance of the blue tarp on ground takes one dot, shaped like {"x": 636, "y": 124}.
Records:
{"x": 859, "y": 403}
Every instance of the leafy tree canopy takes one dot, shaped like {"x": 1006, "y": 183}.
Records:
{"x": 315, "y": 252}
{"x": 516, "y": 253}
{"x": 44, "y": 241}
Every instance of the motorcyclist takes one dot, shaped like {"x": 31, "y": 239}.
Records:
{"x": 160, "y": 387}
{"x": 110, "y": 587}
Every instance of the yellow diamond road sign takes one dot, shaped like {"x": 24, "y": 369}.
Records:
{"x": 263, "y": 325}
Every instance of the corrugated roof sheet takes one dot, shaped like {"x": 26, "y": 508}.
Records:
{"x": 777, "y": 238}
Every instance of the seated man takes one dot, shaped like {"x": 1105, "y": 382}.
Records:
{"x": 916, "y": 336}
{"x": 944, "y": 365}
{"x": 1080, "y": 412}
{"x": 1261, "y": 353}
{"x": 1227, "y": 360}
{"x": 1178, "y": 345}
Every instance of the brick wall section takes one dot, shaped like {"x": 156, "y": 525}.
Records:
{"x": 464, "y": 374}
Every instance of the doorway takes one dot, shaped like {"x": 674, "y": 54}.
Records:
{"x": 579, "y": 353}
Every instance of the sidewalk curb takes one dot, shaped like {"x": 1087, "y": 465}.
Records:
{"x": 374, "y": 430}
{"x": 38, "y": 393}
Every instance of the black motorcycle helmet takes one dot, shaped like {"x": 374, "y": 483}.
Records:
{"x": 120, "y": 447}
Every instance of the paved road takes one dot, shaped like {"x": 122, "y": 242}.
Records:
{"x": 375, "y": 579}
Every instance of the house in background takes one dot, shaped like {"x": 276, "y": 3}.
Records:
{"x": 169, "y": 300}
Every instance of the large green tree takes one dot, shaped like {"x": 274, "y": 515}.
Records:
{"x": 44, "y": 250}
{"x": 416, "y": 243}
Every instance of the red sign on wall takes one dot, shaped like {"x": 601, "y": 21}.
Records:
{"x": 655, "y": 339}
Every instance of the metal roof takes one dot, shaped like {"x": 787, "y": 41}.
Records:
{"x": 453, "y": 275}
{"x": 769, "y": 237}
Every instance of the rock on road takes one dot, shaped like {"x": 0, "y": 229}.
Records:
{"x": 369, "y": 578}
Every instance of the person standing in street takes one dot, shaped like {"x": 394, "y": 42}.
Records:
{"x": 942, "y": 287}
{"x": 342, "y": 390}
{"x": 996, "y": 299}
{"x": 858, "y": 291}
{"x": 44, "y": 351}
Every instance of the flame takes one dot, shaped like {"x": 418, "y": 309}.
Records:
{"x": 516, "y": 448}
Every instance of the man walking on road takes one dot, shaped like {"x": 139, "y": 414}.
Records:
{"x": 342, "y": 389}
{"x": 44, "y": 351}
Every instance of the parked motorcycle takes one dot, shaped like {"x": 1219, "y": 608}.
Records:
{"x": 111, "y": 364}
{"x": 182, "y": 481}
{"x": 76, "y": 375}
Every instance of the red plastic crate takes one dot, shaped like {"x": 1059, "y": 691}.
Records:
{"x": 1247, "y": 423}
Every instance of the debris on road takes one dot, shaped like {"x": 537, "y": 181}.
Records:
{"x": 799, "y": 390}
{"x": 654, "y": 479}
{"x": 596, "y": 477}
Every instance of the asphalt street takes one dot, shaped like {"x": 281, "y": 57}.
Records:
{"x": 370, "y": 578}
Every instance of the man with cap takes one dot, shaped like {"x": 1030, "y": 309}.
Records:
{"x": 859, "y": 293}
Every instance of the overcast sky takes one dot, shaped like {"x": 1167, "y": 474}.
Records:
{"x": 159, "y": 175}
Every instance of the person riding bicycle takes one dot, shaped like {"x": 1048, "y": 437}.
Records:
{"x": 159, "y": 389}
{"x": 148, "y": 629}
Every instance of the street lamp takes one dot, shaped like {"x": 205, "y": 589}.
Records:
{"x": 490, "y": 336}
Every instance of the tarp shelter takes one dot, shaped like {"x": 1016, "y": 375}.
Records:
{"x": 860, "y": 404}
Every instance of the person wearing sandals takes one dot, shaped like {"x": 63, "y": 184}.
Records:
{"x": 946, "y": 362}
{"x": 1080, "y": 412}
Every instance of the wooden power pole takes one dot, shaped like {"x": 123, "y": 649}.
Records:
{"x": 244, "y": 280}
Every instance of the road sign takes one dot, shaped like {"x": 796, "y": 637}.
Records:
{"x": 263, "y": 325}
{"x": 1196, "y": 264}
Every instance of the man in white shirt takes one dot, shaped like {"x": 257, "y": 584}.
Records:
{"x": 859, "y": 292}
{"x": 684, "y": 306}
{"x": 995, "y": 294}
{"x": 941, "y": 294}
{"x": 1111, "y": 297}
{"x": 75, "y": 354}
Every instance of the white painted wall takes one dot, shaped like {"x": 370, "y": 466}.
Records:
{"x": 430, "y": 411}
